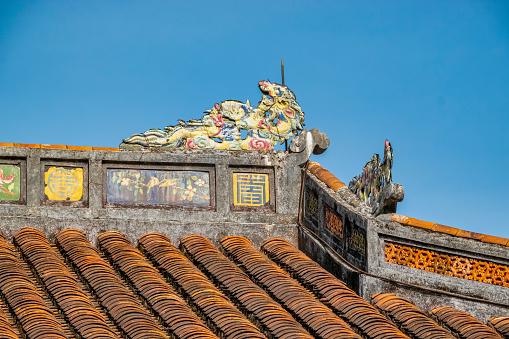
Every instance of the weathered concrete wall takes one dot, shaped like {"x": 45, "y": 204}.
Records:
{"x": 383, "y": 230}
{"x": 380, "y": 231}
{"x": 326, "y": 258}
{"x": 428, "y": 300}
{"x": 340, "y": 225}
{"x": 176, "y": 222}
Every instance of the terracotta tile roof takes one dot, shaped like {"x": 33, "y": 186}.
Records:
{"x": 333, "y": 292}
{"x": 152, "y": 287}
{"x": 78, "y": 309}
{"x": 80, "y": 148}
{"x": 73, "y": 289}
{"x": 225, "y": 318}
{"x": 501, "y": 324}
{"x": 335, "y": 184}
{"x": 119, "y": 302}
{"x": 410, "y": 318}
{"x": 24, "y": 299}
{"x": 267, "y": 313}
{"x": 463, "y": 324}
{"x": 318, "y": 318}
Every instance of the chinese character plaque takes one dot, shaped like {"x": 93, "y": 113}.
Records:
{"x": 250, "y": 189}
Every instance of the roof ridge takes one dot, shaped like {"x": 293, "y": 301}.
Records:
{"x": 47, "y": 146}
{"x": 404, "y": 220}
{"x": 324, "y": 175}
{"x": 335, "y": 184}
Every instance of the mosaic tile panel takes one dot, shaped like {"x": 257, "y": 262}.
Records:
{"x": 250, "y": 189}
{"x": 447, "y": 264}
{"x": 333, "y": 222}
{"x": 10, "y": 182}
{"x": 158, "y": 187}
{"x": 63, "y": 183}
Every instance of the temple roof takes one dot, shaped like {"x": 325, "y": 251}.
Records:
{"x": 335, "y": 184}
{"x": 156, "y": 290}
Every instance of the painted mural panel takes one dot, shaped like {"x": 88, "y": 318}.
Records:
{"x": 10, "y": 182}
{"x": 250, "y": 189}
{"x": 158, "y": 187}
{"x": 63, "y": 183}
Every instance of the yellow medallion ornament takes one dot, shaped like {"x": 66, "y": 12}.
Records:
{"x": 250, "y": 189}
{"x": 63, "y": 183}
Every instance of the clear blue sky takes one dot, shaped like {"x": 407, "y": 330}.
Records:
{"x": 431, "y": 76}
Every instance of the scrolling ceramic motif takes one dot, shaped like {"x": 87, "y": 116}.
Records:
{"x": 158, "y": 187}
{"x": 277, "y": 118}
{"x": 10, "y": 182}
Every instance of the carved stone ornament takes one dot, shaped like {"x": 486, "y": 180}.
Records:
{"x": 277, "y": 118}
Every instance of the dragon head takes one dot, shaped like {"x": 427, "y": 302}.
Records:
{"x": 279, "y": 98}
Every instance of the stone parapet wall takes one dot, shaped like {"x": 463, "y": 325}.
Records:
{"x": 94, "y": 190}
{"x": 414, "y": 262}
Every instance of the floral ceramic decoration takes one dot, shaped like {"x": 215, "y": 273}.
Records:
{"x": 10, "y": 180}
{"x": 158, "y": 187}
{"x": 277, "y": 118}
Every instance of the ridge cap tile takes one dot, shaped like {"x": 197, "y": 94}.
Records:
{"x": 404, "y": 220}
{"x": 51, "y": 146}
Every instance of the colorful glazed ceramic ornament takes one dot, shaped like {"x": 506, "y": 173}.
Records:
{"x": 277, "y": 118}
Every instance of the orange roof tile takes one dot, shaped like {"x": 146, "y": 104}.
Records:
{"x": 105, "y": 148}
{"x": 445, "y": 229}
{"x": 89, "y": 291}
{"x": 463, "y": 324}
{"x": 501, "y": 324}
{"x": 495, "y": 240}
{"x": 54, "y": 146}
{"x": 449, "y": 230}
{"x": 411, "y": 318}
{"x": 28, "y": 145}
{"x": 325, "y": 176}
{"x": 80, "y": 148}
{"x": 468, "y": 234}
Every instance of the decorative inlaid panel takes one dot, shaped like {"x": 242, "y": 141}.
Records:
{"x": 158, "y": 187}
{"x": 447, "y": 264}
{"x": 312, "y": 204}
{"x": 358, "y": 241}
{"x": 250, "y": 189}
{"x": 63, "y": 183}
{"x": 333, "y": 222}
{"x": 10, "y": 182}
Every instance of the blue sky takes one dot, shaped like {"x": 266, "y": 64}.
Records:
{"x": 431, "y": 76}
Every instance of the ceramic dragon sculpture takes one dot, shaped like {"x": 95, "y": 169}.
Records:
{"x": 373, "y": 186}
{"x": 277, "y": 118}
{"x": 374, "y": 177}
